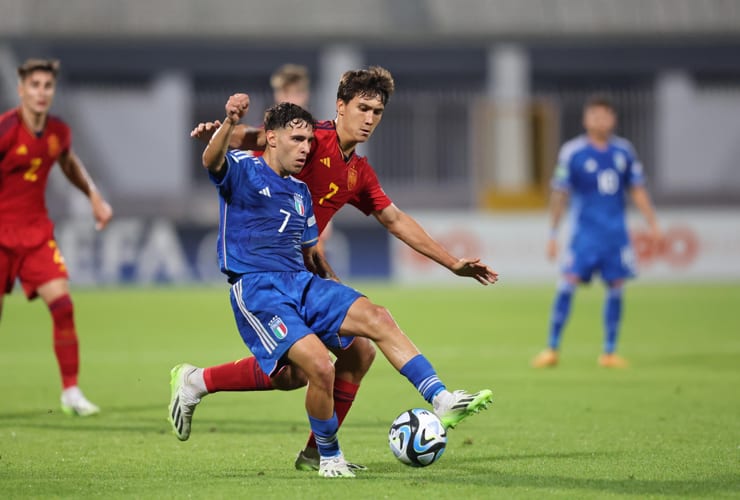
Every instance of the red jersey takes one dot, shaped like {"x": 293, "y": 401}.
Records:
{"x": 335, "y": 181}
{"x": 25, "y": 162}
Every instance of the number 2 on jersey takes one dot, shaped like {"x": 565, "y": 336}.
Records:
{"x": 333, "y": 189}
{"x": 30, "y": 174}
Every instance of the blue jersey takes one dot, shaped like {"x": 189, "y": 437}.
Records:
{"x": 598, "y": 182}
{"x": 265, "y": 220}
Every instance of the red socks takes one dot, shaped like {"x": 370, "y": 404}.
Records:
{"x": 344, "y": 396}
{"x": 242, "y": 375}
{"x": 65, "y": 340}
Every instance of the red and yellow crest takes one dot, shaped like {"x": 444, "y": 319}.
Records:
{"x": 53, "y": 143}
{"x": 351, "y": 178}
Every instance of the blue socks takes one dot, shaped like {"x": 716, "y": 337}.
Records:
{"x": 612, "y": 317}
{"x": 420, "y": 373}
{"x": 325, "y": 432}
{"x": 560, "y": 312}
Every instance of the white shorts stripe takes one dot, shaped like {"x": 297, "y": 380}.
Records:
{"x": 267, "y": 341}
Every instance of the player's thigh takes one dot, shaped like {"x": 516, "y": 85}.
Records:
{"x": 268, "y": 324}
{"x": 44, "y": 265}
{"x": 325, "y": 307}
{"x": 618, "y": 264}
{"x": 9, "y": 267}
{"x": 312, "y": 357}
{"x": 580, "y": 263}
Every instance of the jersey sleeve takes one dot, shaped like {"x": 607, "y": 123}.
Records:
{"x": 311, "y": 231}
{"x": 235, "y": 164}
{"x": 561, "y": 175}
{"x": 370, "y": 196}
{"x": 635, "y": 175}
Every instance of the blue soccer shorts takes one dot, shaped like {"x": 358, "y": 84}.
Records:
{"x": 613, "y": 263}
{"x": 275, "y": 310}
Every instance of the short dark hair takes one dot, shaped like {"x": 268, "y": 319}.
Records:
{"x": 49, "y": 65}
{"x": 289, "y": 74}
{"x": 599, "y": 100}
{"x": 371, "y": 82}
{"x": 281, "y": 115}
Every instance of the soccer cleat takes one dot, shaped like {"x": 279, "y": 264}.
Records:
{"x": 308, "y": 459}
{"x": 546, "y": 359}
{"x": 612, "y": 361}
{"x": 75, "y": 403}
{"x": 183, "y": 400}
{"x": 461, "y": 405}
{"x": 335, "y": 467}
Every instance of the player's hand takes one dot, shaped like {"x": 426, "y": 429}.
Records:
{"x": 205, "y": 130}
{"x": 552, "y": 249}
{"x": 102, "y": 211}
{"x": 474, "y": 268}
{"x": 656, "y": 237}
{"x": 236, "y": 107}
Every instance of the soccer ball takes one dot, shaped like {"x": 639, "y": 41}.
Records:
{"x": 417, "y": 437}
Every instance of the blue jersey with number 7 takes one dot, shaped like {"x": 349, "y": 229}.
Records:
{"x": 265, "y": 220}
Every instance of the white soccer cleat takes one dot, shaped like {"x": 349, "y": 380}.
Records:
{"x": 184, "y": 398}
{"x": 335, "y": 467}
{"x": 75, "y": 403}
{"x": 308, "y": 459}
{"x": 459, "y": 405}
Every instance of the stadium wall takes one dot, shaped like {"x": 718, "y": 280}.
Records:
{"x": 700, "y": 246}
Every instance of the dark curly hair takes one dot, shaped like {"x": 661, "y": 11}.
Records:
{"x": 280, "y": 115}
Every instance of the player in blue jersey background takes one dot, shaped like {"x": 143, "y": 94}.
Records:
{"x": 288, "y": 306}
{"x": 596, "y": 170}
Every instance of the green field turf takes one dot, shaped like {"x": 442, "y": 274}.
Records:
{"x": 669, "y": 426}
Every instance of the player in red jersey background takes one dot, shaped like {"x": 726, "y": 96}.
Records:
{"x": 336, "y": 176}
{"x": 31, "y": 142}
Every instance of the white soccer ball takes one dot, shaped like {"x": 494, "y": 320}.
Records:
{"x": 417, "y": 437}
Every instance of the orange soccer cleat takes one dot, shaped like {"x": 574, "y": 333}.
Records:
{"x": 612, "y": 361}
{"x": 546, "y": 359}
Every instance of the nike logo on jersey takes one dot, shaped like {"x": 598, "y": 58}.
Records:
{"x": 326, "y": 161}
{"x": 22, "y": 150}
{"x": 265, "y": 191}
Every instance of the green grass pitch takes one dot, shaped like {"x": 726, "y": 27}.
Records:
{"x": 669, "y": 426}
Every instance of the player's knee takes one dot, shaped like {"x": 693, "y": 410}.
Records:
{"x": 320, "y": 372}
{"x": 380, "y": 322}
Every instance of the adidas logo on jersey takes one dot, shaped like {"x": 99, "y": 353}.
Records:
{"x": 326, "y": 161}
{"x": 265, "y": 191}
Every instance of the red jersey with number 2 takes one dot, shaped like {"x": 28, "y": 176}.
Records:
{"x": 335, "y": 180}
{"x": 26, "y": 159}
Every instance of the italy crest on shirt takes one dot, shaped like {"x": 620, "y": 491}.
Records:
{"x": 300, "y": 208}
{"x": 278, "y": 327}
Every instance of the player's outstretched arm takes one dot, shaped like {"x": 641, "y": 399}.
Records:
{"x": 243, "y": 137}
{"x": 641, "y": 198}
{"x": 213, "y": 156}
{"x": 76, "y": 173}
{"x": 407, "y": 229}
{"x": 558, "y": 202}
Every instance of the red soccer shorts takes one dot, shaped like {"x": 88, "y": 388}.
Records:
{"x": 34, "y": 264}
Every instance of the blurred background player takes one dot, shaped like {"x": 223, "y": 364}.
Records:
{"x": 291, "y": 83}
{"x": 597, "y": 170}
{"x": 285, "y": 311}
{"x": 335, "y": 175}
{"x": 31, "y": 141}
